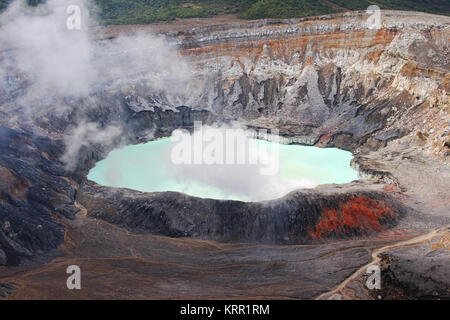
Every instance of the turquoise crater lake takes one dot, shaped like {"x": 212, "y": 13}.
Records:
{"x": 150, "y": 167}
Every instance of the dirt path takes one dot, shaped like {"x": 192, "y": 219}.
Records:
{"x": 376, "y": 259}
{"x": 118, "y": 265}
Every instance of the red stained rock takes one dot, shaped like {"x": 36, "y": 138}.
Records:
{"x": 359, "y": 213}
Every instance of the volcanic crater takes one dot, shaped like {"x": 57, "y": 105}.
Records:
{"x": 327, "y": 82}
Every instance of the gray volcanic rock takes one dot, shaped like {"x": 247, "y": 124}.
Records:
{"x": 300, "y": 217}
{"x": 32, "y": 189}
{"x": 418, "y": 272}
{"x": 3, "y": 258}
{"x": 118, "y": 265}
{"x": 35, "y": 184}
{"x": 6, "y": 289}
{"x": 348, "y": 85}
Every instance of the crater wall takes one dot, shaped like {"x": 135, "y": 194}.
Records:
{"x": 326, "y": 81}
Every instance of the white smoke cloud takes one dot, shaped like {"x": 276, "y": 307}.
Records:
{"x": 56, "y": 60}
{"x": 65, "y": 62}
{"x": 147, "y": 57}
{"x": 36, "y": 45}
{"x": 245, "y": 180}
{"x": 85, "y": 134}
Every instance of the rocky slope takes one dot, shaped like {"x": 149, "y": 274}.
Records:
{"x": 298, "y": 218}
{"x": 328, "y": 81}
{"x": 329, "y": 78}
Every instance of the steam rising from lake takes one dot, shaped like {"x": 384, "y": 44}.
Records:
{"x": 150, "y": 167}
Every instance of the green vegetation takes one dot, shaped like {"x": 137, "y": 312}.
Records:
{"x": 431, "y": 6}
{"x": 148, "y": 11}
{"x": 3, "y": 4}
{"x": 285, "y": 9}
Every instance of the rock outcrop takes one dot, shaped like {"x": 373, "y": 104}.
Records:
{"x": 298, "y": 218}
{"x": 419, "y": 272}
{"x": 331, "y": 80}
